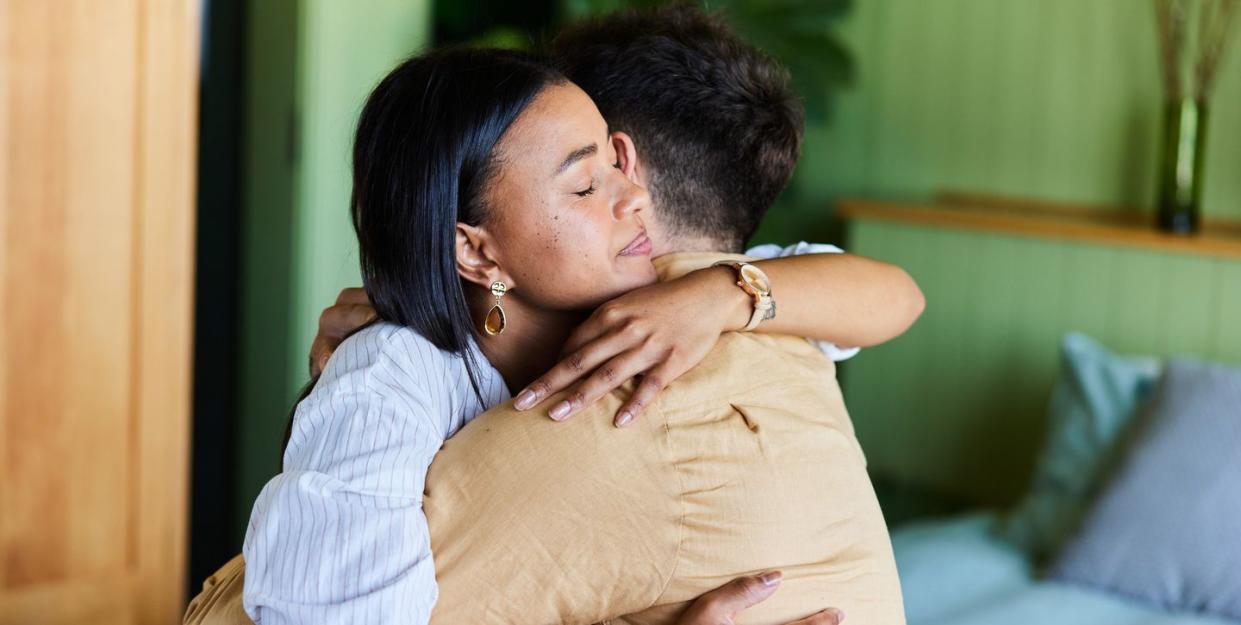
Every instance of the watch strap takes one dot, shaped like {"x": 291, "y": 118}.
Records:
{"x": 764, "y": 304}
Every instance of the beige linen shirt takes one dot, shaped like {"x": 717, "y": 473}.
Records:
{"x": 746, "y": 463}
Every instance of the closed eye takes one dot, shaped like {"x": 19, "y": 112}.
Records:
{"x": 585, "y": 192}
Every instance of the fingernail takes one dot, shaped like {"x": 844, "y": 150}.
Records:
{"x": 524, "y": 400}
{"x": 770, "y": 579}
{"x": 623, "y": 419}
{"x": 836, "y": 612}
{"x": 560, "y": 411}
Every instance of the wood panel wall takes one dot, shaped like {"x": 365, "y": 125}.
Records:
{"x": 97, "y": 144}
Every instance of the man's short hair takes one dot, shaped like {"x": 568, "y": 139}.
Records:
{"x": 715, "y": 120}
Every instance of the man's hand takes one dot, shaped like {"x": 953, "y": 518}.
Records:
{"x": 351, "y": 311}
{"x": 722, "y": 605}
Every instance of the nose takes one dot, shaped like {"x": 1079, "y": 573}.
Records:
{"x": 630, "y": 200}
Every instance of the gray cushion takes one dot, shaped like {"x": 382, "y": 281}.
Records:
{"x": 1092, "y": 405}
{"x": 1167, "y": 528}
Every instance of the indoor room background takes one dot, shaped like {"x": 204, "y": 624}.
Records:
{"x": 1053, "y": 101}
{"x": 186, "y": 168}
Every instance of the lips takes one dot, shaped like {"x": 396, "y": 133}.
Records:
{"x": 640, "y": 246}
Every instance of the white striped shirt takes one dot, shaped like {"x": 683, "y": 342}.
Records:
{"x": 339, "y": 536}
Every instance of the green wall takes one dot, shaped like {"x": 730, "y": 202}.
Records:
{"x": 1054, "y": 99}
{"x": 311, "y": 64}
{"x": 957, "y": 405}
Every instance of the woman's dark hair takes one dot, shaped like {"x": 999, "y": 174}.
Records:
{"x": 422, "y": 157}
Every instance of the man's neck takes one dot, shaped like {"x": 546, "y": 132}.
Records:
{"x": 532, "y": 339}
{"x": 680, "y": 244}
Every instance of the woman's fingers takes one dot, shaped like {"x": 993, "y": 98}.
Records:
{"x": 572, "y": 368}
{"x": 830, "y": 616}
{"x": 606, "y": 377}
{"x": 648, "y": 389}
{"x": 589, "y": 330}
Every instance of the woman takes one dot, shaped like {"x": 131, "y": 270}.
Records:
{"x": 483, "y": 182}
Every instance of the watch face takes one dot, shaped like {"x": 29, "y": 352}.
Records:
{"x": 754, "y": 277}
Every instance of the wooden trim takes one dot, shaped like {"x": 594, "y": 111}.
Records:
{"x": 1101, "y": 225}
{"x": 169, "y": 105}
{"x": 98, "y": 125}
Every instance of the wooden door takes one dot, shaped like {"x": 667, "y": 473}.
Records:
{"x": 97, "y": 144}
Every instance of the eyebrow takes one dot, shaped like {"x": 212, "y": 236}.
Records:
{"x": 575, "y": 156}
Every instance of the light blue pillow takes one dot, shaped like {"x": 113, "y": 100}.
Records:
{"x": 1167, "y": 529}
{"x": 1092, "y": 403}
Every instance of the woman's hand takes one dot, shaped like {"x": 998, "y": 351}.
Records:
{"x": 722, "y": 605}
{"x": 658, "y": 332}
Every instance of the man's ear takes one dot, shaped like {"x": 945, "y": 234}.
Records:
{"x": 476, "y": 261}
{"x": 627, "y": 157}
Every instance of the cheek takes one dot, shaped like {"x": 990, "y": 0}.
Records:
{"x": 571, "y": 261}
{"x": 569, "y": 258}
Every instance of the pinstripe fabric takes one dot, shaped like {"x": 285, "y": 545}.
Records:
{"x": 340, "y": 536}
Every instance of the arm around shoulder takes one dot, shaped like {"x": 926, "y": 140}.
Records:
{"x": 340, "y": 535}
{"x": 848, "y": 300}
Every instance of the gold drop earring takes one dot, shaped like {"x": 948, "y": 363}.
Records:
{"x": 496, "y": 321}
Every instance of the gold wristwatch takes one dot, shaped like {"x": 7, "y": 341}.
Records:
{"x": 754, "y": 282}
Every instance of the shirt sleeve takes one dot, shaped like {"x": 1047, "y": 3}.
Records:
{"x": 339, "y": 536}
{"x": 832, "y": 350}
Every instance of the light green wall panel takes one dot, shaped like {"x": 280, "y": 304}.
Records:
{"x": 957, "y": 405}
{"x": 1225, "y": 321}
{"x": 347, "y": 47}
{"x": 1053, "y": 99}
{"x": 312, "y": 64}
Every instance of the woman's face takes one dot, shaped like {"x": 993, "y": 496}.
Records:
{"x": 564, "y": 215}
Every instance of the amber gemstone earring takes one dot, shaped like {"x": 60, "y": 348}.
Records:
{"x": 496, "y": 321}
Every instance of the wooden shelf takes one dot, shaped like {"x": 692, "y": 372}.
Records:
{"x": 1102, "y": 225}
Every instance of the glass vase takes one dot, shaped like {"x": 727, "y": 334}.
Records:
{"x": 1180, "y": 167}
